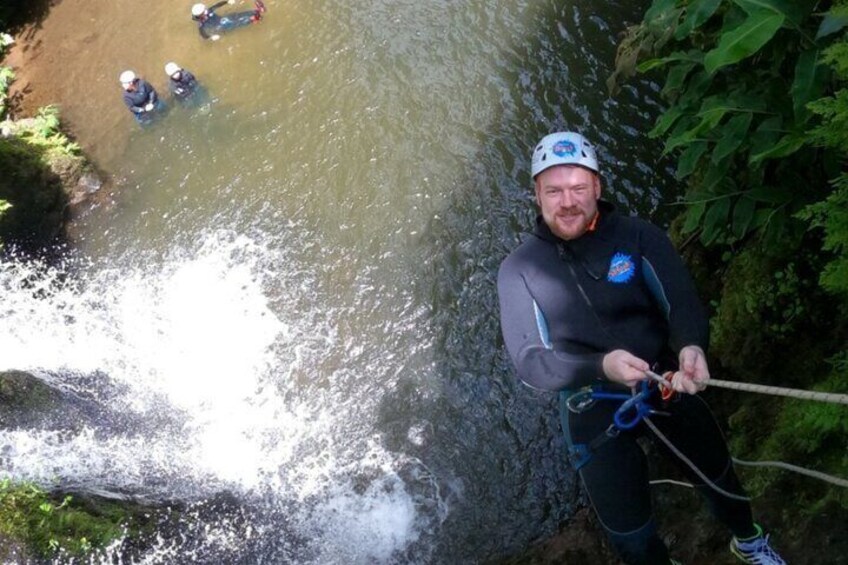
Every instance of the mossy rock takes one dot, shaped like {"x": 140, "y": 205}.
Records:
{"x": 35, "y": 193}
{"x": 25, "y": 400}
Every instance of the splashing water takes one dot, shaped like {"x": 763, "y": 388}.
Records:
{"x": 214, "y": 375}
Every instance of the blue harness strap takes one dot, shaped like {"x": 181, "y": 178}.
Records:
{"x": 632, "y": 411}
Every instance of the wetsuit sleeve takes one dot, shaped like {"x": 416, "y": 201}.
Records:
{"x": 151, "y": 96}
{"x": 204, "y": 33}
{"x": 672, "y": 287}
{"x": 217, "y": 5}
{"x": 131, "y": 105}
{"x": 525, "y": 332}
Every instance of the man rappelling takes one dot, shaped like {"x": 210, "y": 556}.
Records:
{"x": 595, "y": 301}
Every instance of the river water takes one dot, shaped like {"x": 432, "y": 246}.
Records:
{"x": 291, "y": 290}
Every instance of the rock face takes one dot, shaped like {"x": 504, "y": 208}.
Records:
{"x": 42, "y": 181}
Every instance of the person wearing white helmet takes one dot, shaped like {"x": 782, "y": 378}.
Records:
{"x": 140, "y": 97}
{"x": 211, "y": 25}
{"x": 182, "y": 83}
{"x": 592, "y": 303}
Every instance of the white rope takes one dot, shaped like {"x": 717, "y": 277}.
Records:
{"x": 763, "y": 389}
{"x": 780, "y": 391}
{"x": 838, "y": 481}
{"x": 831, "y": 397}
{"x": 691, "y": 465}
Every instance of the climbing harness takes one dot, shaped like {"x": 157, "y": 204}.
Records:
{"x": 636, "y": 408}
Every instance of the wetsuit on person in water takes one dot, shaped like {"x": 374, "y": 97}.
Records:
{"x": 138, "y": 97}
{"x": 211, "y": 25}
{"x": 183, "y": 86}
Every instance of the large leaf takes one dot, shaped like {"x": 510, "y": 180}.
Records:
{"x": 698, "y": 85}
{"x": 682, "y": 134}
{"x": 770, "y": 194}
{"x": 766, "y": 134}
{"x": 715, "y": 219}
{"x": 743, "y": 215}
{"x": 693, "y": 55}
{"x": 666, "y": 121}
{"x": 693, "y": 216}
{"x": 732, "y": 135}
{"x": 809, "y": 83}
{"x": 676, "y": 77}
{"x": 744, "y": 41}
{"x": 689, "y": 158}
{"x": 659, "y": 8}
{"x": 788, "y": 145}
{"x": 698, "y": 12}
{"x": 793, "y": 10}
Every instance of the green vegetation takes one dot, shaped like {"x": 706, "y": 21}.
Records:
{"x": 52, "y": 526}
{"x": 6, "y": 78}
{"x": 757, "y": 121}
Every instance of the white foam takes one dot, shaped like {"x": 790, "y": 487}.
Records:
{"x": 214, "y": 343}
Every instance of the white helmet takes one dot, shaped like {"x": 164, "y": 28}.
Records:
{"x": 127, "y": 77}
{"x": 563, "y": 148}
{"x": 172, "y": 68}
{"x": 198, "y": 10}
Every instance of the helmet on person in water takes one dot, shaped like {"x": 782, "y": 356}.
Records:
{"x": 563, "y": 148}
{"x": 198, "y": 10}
{"x": 172, "y": 68}
{"x": 127, "y": 77}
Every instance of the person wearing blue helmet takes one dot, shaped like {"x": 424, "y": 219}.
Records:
{"x": 590, "y": 305}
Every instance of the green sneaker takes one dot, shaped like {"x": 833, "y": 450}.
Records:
{"x": 756, "y": 550}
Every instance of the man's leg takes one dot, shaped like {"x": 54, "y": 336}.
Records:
{"x": 616, "y": 478}
{"x": 692, "y": 429}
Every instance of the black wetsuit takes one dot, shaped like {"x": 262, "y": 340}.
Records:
{"x": 212, "y": 24}
{"x": 184, "y": 87}
{"x": 566, "y": 304}
{"x": 137, "y": 99}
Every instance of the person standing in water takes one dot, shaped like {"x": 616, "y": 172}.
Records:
{"x": 183, "y": 84}
{"x": 140, "y": 97}
{"x": 211, "y": 25}
{"x": 591, "y": 303}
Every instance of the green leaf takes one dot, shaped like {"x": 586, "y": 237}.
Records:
{"x": 665, "y": 121}
{"x": 676, "y": 77}
{"x": 743, "y": 215}
{"x": 774, "y": 227}
{"x": 786, "y": 146}
{"x": 659, "y": 8}
{"x": 770, "y": 194}
{"x": 743, "y": 41}
{"x": 831, "y": 24}
{"x": 694, "y": 56}
{"x": 715, "y": 219}
{"x": 733, "y": 134}
{"x": 766, "y": 134}
{"x": 808, "y": 84}
{"x": 697, "y": 13}
{"x": 693, "y": 216}
{"x": 698, "y": 85}
{"x": 793, "y": 10}
{"x": 689, "y": 158}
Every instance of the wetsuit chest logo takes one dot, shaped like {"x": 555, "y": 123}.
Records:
{"x": 621, "y": 268}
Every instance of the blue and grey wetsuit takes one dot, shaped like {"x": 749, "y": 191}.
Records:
{"x": 212, "y": 24}
{"x": 137, "y": 99}
{"x": 564, "y": 306}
